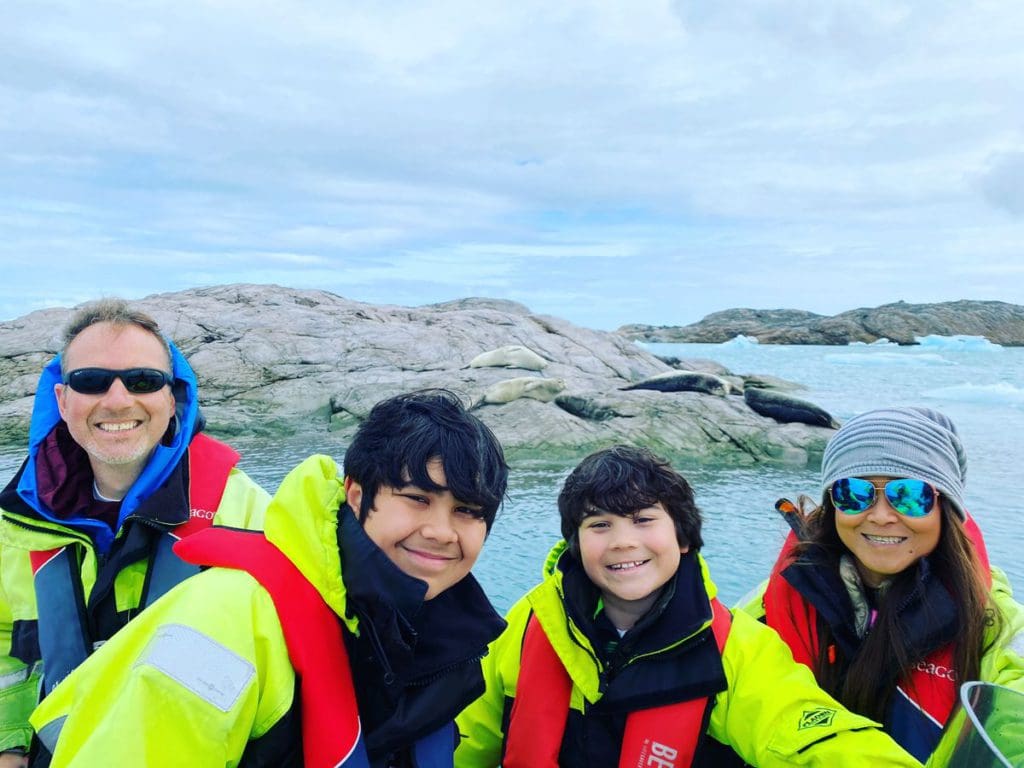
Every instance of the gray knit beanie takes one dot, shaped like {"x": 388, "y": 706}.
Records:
{"x": 899, "y": 442}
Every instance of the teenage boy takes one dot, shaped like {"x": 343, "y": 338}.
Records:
{"x": 117, "y": 471}
{"x": 622, "y": 656}
{"x": 350, "y": 634}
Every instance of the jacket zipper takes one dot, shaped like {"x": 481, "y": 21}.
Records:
{"x": 378, "y": 647}
{"x": 50, "y": 531}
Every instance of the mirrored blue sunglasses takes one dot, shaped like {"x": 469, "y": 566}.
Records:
{"x": 853, "y": 495}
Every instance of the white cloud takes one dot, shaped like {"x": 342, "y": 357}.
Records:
{"x": 530, "y": 150}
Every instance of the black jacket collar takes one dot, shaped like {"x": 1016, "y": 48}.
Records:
{"x": 926, "y": 611}
{"x": 415, "y": 663}
{"x": 427, "y": 634}
{"x": 680, "y": 610}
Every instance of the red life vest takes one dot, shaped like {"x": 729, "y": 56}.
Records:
{"x": 64, "y": 640}
{"x": 664, "y": 737}
{"x": 931, "y": 686}
{"x": 331, "y": 731}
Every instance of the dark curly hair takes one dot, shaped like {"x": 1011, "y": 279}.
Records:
{"x": 622, "y": 480}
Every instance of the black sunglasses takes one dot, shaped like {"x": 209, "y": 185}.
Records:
{"x": 138, "y": 381}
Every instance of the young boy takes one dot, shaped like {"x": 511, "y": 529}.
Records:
{"x": 350, "y": 635}
{"x": 622, "y": 656}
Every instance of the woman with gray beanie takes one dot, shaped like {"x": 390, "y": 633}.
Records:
{"x": 887, "y": 593}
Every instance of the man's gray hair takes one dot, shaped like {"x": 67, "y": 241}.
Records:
{"x": 114, "y": 311}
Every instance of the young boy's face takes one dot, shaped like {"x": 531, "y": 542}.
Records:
{"x": 630, "y": 558}
{"x": 430, "y": 535}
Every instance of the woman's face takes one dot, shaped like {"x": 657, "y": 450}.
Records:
{"x": 883, "y": 541}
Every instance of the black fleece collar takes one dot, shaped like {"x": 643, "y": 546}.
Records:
{"x": 927, "y": 613}
{"x": 665, "y": 657}
{"x": 418, "y": 637}
{"x": 414, "y": 662}
{"x": 681, "y": 609}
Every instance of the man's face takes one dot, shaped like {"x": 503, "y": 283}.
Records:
{"x": 429, "y": 535}
{"x": 116, "y": 428}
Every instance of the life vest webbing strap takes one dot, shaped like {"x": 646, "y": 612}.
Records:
{"x": 436, "y": 750}
{"x": 669, "y": 733}
{"x": 331, "y": 731}
{"x": 62, "y": 627}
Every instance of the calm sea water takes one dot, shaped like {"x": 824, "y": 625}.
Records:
{"x": 980, "y": 386}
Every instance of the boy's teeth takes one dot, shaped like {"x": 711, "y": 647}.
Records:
{"x": 620, "y": 566}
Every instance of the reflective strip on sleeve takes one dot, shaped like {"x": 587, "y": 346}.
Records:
{"x": 212, "y": 672}
{"x": 15, "y": 678}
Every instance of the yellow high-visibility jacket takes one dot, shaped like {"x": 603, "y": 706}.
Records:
{"x": 203, "y": 677}
{"x": 242, "y": 505}
{"x": 771, "y": 712}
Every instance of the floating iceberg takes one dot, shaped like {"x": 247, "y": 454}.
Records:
{"x": 960, "y": 342}
{"x": 882, "y": 342}
{"x": 741, "y": 341}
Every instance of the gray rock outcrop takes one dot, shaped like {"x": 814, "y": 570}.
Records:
{"x": 997, "y": 321}
{"x": 274, "y": 361}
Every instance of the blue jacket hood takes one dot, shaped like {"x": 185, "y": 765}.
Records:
{"x": 162, "y": 462}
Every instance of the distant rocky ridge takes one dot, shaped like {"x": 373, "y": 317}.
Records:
{"x": 997, "y": 321}
{"x": 279, "y": 361}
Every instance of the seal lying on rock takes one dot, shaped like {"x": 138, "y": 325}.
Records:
{"x": 535, "y": 387}
{"x": 512, "y": 356}
{"x": 786, "y": 408}
{"x": 585, "y": 408}
{"x": 684, "y": 381}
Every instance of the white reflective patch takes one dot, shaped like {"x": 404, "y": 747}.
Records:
{"x": 1017, "y": 644}
{"x": 214, "y": 673}
{"x": 14, "y": 678}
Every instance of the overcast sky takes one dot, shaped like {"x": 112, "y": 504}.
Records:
{"x": 607, "y": 162}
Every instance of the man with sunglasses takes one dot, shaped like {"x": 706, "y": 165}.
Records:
{"x": 888, "y": 595}
{"x": 117, "y": 471}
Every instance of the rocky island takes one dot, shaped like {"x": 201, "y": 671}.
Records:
{"x": 902, "y": 323}
{"x": 281, "y": 361}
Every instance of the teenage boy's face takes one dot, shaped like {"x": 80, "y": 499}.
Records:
{"x": 630, "y": 558}
{"x": 430, "y": 535}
